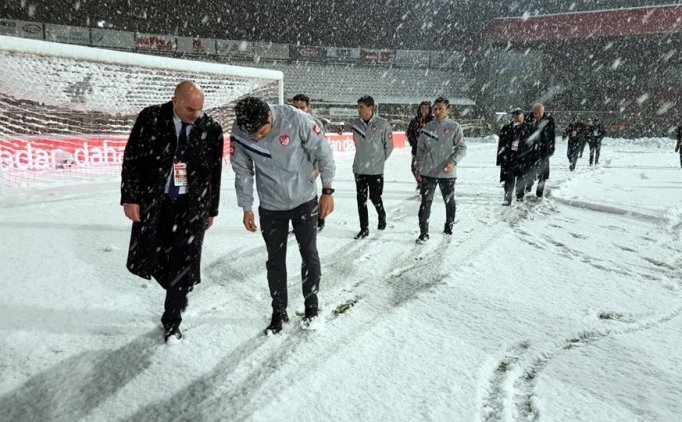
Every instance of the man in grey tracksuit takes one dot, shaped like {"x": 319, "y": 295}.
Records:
{"x": 302, "y": 102}
{"x": 279, "y": 145}
{"x": 373, "y": 137}
{"x": 439, "y": 149}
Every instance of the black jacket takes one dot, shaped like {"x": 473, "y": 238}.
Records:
{"x": 513, "y": 162}
{"x": 413, "y": 129}
{"x": 542, "y": 142}
{"x": 576, "y": 134}
{"x": 147, "y": 162}
{"x": 595, "y": 133}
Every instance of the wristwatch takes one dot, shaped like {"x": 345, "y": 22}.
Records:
{"x": 327, "y": 191}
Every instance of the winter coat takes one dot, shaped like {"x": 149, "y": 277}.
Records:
{"x": 147, "y": 163}
{"x": 542, "y": 143}
{"x": 413, "y": 129}
{"x": 595, "y": 133}
{"x": 575, "y": 133}
{"x": 512, "y": 151}
{"x": 440, "y": 142}
{"x": 678, "y": 146}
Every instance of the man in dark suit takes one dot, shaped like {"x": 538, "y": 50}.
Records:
{"x": 542, "y": 144}
{"x": 512, "y": 156}
{"x": 170, "y": 188}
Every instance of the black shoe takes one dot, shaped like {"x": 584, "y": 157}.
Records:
{"x": 422, "y": 238}
{"x": 310, "y": 313}
{"x": 447, "y": 229}
{"x": 320, "y": 225}
{"x": 171, "y": 331}
{"x": 361, "y": 234}
{"x": 519, "y": 199}
{"x": 278, "y": 319}
{"x": 382, "y": 225}
{"x": 506, "y": 203}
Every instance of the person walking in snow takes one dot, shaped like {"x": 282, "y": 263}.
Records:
{"x": 416, "y": 124}
{"x": 595, "y": 133}
{"x": 511, "y": 154}
{"x": 373, "y": 138}
{"x": 302, "y": 102}
{"x": 575, "y": 132}
{"x": 280, "y": 146}
{"x": 542, "y": 144}
{"x": 440, "y": 148}
{"x": 170, "y": 190}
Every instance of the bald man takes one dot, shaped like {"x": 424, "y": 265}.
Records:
{"x": 170, "y": 189}
{"x": 541, "y": 143}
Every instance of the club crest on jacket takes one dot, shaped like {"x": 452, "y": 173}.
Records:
{"x": 284, "y": 140}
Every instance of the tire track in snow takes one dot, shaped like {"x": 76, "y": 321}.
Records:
{"x": 238, "y": 386}
{"x": 510, "y": 389}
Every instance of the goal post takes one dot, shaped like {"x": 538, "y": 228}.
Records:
{"x": 66, "y": 110}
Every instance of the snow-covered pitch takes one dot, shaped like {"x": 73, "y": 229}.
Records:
{"x": 564, "y": 309}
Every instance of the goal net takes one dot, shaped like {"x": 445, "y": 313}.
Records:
{"x": 66, "y": 111}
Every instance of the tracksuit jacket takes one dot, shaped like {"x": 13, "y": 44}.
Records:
{"x": 440, "y": 142}
{"x": 282, "y": 162}
{"x": 373, "y": 145}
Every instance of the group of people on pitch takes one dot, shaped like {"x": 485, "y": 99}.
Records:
{"x": 171, "y": 173}
{"x": 523, "y": 151}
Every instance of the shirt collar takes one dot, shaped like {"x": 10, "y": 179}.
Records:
{"x": 177, "y": 120}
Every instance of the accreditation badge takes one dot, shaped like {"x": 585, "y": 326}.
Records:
{"x": 180, "y": 174}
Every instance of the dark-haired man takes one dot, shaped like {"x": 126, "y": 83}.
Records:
{"x": 302, "y": 102}
{"x": 595, "y": 134}
{"x": 441, "y": 147}
{"x": 373, "y": 137}
{"x": 511, "y": 155}
{"x": 280, "y": 146}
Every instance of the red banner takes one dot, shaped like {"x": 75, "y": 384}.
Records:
{"x": 56, "y": 152}
{"x": 652, "y": 20}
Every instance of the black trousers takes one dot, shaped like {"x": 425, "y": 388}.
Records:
{"x": 540, "y": 171}
{"x": 572, "y": 154}
{"x": 174, "y": 258}
{"x": 428, "y": 189}
{"x": 583, "y": 142}
{"x": 371, "y": 185}
{"x": 509, "y": 188}
{"x": 275, "y": 228}
{"x": 595, "y": 148}
{"x": 414, "y": 170}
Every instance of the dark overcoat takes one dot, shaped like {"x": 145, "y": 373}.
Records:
{"x": 542, "y": 139}
{"x": 147, "y": 163}
{"x": 513, "y": 163}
